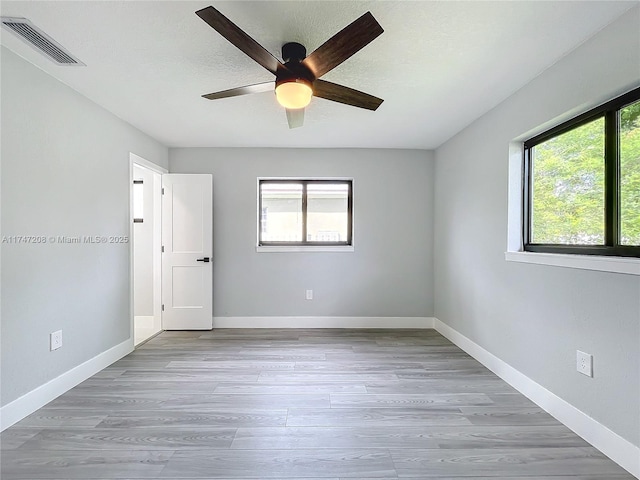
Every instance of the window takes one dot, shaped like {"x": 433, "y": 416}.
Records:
{"x": 582, "y": 189}
{"x": 305, "y": 212}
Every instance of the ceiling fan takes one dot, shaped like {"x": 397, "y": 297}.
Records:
{"x": 298, "y": 78}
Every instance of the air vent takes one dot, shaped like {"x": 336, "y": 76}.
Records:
{"x": 39, "y": 40}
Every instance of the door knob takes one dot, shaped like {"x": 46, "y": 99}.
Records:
{"x": 205, "y": 260}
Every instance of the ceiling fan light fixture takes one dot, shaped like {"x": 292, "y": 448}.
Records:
{"x": 295, "y": 93}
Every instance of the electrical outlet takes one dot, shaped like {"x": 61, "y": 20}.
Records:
{"x": 309, "y": 294}
{"x": 584, "y": 363}
{"x": 55, "y": 340}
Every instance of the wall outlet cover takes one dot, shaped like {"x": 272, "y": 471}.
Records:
{"x": 584, "y": 363}
{"x": 55, "y": 339}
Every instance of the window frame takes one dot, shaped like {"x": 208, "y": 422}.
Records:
{"x": 304, "y": 182}
{"x": 610, "y": 112}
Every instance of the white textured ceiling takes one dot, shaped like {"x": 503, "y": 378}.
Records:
{"x": 439, "y": 64}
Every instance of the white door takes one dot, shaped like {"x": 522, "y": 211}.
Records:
{"x": 187, "y": 240}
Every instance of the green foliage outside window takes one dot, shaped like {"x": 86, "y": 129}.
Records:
{"x": 568, "y": 184}
{"x": 568, "y": 187}
{"x": 630, "y": 174}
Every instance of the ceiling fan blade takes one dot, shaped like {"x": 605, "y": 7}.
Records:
{"x": 239, "y": 38}
{"x": 341, "y": 94}
{"x": 343, "y": 44}
{"x": 295, "y": 117}
{"x": 247, "y": 89}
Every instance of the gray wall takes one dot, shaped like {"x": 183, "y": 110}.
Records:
{"x": 65, "y": 171}
{"x": 535, "y": 317}
{"x": 390, "y": 272}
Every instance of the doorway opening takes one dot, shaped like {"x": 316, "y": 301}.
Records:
{"x": 146, "y": 244}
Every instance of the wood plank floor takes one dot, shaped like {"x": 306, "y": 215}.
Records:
{"x": 297, "y": 404}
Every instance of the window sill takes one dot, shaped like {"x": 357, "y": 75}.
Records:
{"x": 624, "y": 265}
{"x": 304, "y": 249}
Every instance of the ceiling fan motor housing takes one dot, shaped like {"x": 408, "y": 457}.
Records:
{"x": 293, "y": 53}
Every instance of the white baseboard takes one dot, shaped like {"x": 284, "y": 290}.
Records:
{"x": 21, "y": 407}
{"x": 323, "y": 322}
{"x": 621, "y": 451}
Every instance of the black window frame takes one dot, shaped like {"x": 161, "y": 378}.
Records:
{"x": 304, "y": 183}
{"x": 610, "y": 112}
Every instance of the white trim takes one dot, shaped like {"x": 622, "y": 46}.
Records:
{"x": 322, "y": 322}
{"x": 133, "y": 158}
{"x": 625, "y": 265}
{"x": 514, "y": 199}
{"x": 301, "y": 248}
{"x": 621, "y": 451}
{"x": 154, "y": 335}
{"x": 37, "y": 398}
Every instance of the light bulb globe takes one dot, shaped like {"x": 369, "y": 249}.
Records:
{"x": 294, "y": 94}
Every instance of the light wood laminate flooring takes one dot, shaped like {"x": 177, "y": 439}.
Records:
{"x": 297, "y": 404}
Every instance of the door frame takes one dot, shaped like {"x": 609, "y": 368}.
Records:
{"x": 138, "y": 160}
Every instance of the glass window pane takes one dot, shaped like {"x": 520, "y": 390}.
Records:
{"x": 630, "y": 175}
{"x": 568, "y": 187}
{"x": 327, "y": 212}
{"x": 281, "y": 215}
